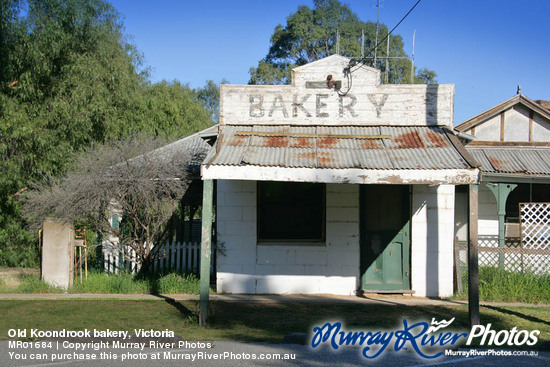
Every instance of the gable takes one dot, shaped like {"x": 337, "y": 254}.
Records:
{"x": 541, "y": 129}
{"x": 517, "y": 120}
{"x": 363, "y": 76}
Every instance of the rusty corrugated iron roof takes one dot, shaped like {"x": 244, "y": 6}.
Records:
{"x": 189, "y": 152}
{"x": 512, "y": 160}
{"x": 337, "y": 147}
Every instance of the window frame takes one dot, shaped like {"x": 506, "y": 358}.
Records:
{"x": 291, "y": 241}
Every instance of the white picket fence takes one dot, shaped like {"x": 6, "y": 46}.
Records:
{"x": 170, "y": 257}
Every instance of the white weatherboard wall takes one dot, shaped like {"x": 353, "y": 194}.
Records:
{"x": 432, "y": 240}
{"x": 513, "y": 125}
{"x": 487, "y": 211}
{"x": 331, "y": 267}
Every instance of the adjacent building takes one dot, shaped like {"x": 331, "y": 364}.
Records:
{"x": 511, "y": 142}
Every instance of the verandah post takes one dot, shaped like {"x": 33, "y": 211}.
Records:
{"x": 206, "y": 249}
{"x": 473, "y": 269}
{"x": 501, "y": 192}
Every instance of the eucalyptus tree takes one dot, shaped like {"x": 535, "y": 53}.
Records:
{"x": 69, "y": 77}
{"x": 328, "y": 28}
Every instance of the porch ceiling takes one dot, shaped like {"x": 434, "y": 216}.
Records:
{"x": 355, "y": 154}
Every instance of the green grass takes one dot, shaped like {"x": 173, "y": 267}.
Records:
{"x": 33, "y": 284}
{"x": 117, "y": 284}
{"x": 266, "y": 322}
{"x": 176, "y": 283}
{"x": 105, "y": 283}
{"x": 498, "y": 285}
{"x": 28, "y": 283}
{"x": 130, "y": 284}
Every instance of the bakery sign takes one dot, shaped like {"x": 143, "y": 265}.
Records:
{"x": 311, "y": 100}
{"x": 320, "y": 105}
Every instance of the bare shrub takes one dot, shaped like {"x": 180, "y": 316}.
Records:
{"x": 132, "y": 176}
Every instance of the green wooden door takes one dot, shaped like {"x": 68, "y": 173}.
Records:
{"x": 385, "y": 237}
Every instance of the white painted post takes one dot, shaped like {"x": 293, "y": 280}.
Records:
{"x": 125, "y": 259}
{"x": 105, "y": 261}
{"x": 206, "y": 249}
{"x": 188, "y": 257}
{"x": 190, "y": 254}
{"x": 178, "y": 256}
{"x": 173, "y": 256}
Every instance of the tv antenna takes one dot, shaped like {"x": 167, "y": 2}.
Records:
{"x": 387, "y": 38}
{"x": 377, "y": 30}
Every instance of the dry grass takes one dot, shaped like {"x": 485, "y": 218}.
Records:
{"x": 11, "y": 278}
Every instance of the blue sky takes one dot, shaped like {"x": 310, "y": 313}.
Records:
{"x": 486, "y": 48}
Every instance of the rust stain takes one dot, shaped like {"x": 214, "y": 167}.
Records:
{"x": 503, "y": 166}
{"x": 437, "y": 140}
{"x": 497, "y": 163}
{"x": 324, "y": 159}
{"x": 409, "y": 140}
{"x": 371, "y": 144}
{"x": 237, "y": 140}
{"x": 276, "y": 141}
{"x": 310, "y": 155}
{"x": 302, "y": 143}
{"x": 327, "y": 142}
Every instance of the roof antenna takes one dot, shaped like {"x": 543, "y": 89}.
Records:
{"x": 519, "y": 89}
{"x": 377, "y": 30}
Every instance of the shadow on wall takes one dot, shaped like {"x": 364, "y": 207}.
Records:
{"x": 432, "y": 245}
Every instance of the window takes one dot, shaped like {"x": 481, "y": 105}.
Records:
{"x": 115, "y": 222}
{"x": 291, "y": 211}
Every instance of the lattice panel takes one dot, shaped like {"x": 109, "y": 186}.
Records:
{"x": 535, "y": 225}
{"x": 535, "y": 236}
{"x": 489, "y": 254}
{"x": 513, "y": 257}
